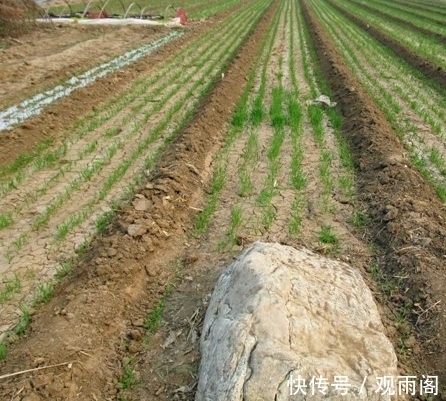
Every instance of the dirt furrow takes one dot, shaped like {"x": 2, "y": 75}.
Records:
{"x": 124, "y": 277}
{"x": 407, "y": 24}
{"x": 432, "y": 71}
{"x": 418, "y": 126}
{"x": 24, "y": 70}
{"x": 396, "y": 197}
{"x": 60, "y": 232}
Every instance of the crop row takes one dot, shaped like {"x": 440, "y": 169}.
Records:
{"x": 416, "y": 110}
{"x": 284, "y": 155}
{"x": 426, "y": 46}
{"x": 58, "y": 197}
{"x": 419, "y": 18}
{"x": 432, "y": 8}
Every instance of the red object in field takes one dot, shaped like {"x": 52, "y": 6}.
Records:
{"x": 97, "y": 15}
{"x": 181, "y": 14}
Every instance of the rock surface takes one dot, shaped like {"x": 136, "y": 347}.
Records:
{"x": 279, "y": 317}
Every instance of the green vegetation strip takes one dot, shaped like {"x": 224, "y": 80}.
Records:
{"x": 228, "y": 51}
{"x": 320, "y": 119}
{"x": 426, "y": 47}
{"x": 375, "y": 80}
{"x": 218, "y": 59}
{"x": 239, "y": 119}
{"x": 417, "y": 16}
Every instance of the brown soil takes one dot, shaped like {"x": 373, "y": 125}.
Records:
{"x": 54, "y": 54}
{"x": 96, "y": 322}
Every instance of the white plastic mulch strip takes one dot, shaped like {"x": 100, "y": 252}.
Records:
{"x": 174, "y": 22}
{"x": 34, "y": 106}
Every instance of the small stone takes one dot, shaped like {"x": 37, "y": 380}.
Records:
{"x": 38, "y": 361}
{"x": 391, "y": 214}
{"x": 135, "y": 335}
{"x": 111, "y": 252}
{"x": 138, "y": 322}
{"x": 424, "y": 241}
{"x": 98, "y": 261}
{"x": 136, "y": 230}
{"x": 410, "y": 342}
{"x": 134, "y": 347}
{"x": 141, "y": 204}
{"x": 31, "y": 397}
{"x": 56, "y": 386}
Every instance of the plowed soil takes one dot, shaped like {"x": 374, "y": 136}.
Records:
{"x": 124, "y": 322}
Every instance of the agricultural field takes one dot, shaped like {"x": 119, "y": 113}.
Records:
{"x": 137, "y": 161}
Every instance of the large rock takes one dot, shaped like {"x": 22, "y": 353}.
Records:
{"x": 279, "y": 317}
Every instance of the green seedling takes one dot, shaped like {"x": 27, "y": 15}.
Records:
{"x": 45, "y": 292}
{"x": 236, "y": 220}
{"x": 20, "y": 241}
{"x": 104, "y": 221}
{"x": 360, "y": 219}
{"x": 257, "y": 112}
{"x": 5, "y": 220}
{"x": 9, "y": 288}
{"x": 128, "y": 378}
{"x": 25, "y": 320}
{"x": 328, "y": 236}
{"x": 246, "y": 185}
{"x": 64, "y": 269}
{"x": 276, "y": 111}
{"x": 153, "y": 321}
{"x": 3, "y": 351}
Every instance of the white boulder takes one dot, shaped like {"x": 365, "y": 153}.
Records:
{"x": 284, "y": 322}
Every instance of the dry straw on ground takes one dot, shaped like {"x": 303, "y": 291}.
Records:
{"x": 17, "y": 17}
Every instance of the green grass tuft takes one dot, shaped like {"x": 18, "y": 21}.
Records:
{"x": 128, "y": 378}
{"x": 3, "y": 351}
{"x": 328, "y": 236}
{"x": 11, "y": 287}
{"x": 25, "y": 320}
{"x": 5, "y": 220}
